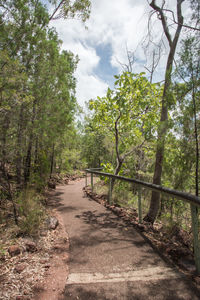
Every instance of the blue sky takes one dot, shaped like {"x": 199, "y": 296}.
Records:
{"x": 114, "y": 26}
{"x": 104, "y": 69}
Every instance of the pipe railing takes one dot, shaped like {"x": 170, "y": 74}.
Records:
{"x": 192, "y": 199}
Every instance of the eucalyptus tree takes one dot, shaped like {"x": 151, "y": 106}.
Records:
{"x": 127, "y": 114}
{"x": 166, "y": 97}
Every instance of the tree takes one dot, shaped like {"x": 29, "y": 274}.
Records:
{"x": 163, "y": 126}
{"x": 124, "y": 114}
{"x": 188, "y": 70}
{"x": 37, "y": 89}
{"x": 71, "y": 9}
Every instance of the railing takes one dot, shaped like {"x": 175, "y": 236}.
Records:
{"x": 193, "y": 200}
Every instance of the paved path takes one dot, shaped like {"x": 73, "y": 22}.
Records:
{"x": 109, "y": 260}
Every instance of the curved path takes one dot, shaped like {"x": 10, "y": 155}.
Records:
{"x": 109, "y": 260}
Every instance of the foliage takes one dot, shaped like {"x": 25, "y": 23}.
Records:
{"x": 38, "y": 104}
{"x": 79, "y": 9}
{"x": 127, "y": 115}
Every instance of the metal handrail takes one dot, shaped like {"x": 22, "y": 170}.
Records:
{"x": 192, "y": 199}
{"x": 178, "y": 194}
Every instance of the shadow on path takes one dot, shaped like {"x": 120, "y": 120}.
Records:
{"x": 101, "y": 243}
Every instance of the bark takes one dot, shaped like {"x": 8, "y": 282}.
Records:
{"x": 19, "y": 146}
{"x": 5, "y": 127}
{"x": 119, "y": 159}
{"x": 196, "y": 141}
{"x": 56, "y": 10}
{"x": 163, "y": 127}
{"x": 28, "y": 162}
{"x": 52, "y": 160}
{"x": 27, "y": 167}
{"x": 36, "y": 156}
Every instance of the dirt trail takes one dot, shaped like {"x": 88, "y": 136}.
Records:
{"x": 110, "y": 260}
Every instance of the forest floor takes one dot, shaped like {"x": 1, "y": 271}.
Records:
{"x": 35, "y": 267}
{"x": 40, "y": 271}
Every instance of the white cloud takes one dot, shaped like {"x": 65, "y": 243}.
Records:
{"x": 87, "y": 55}
{"x": 119, "y": 23}
{"x": 89, "y": 87}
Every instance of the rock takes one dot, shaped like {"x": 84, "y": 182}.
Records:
{"x": 52, "y": 223}
{"x": 197, "y": 280}
{"x": 187, "y": 264}
{"x": 47, "y": 266}
{"x": 30, "y": 246}
{"x": 43, "y": 233}
{"x": 43, "y": 261}
{"x": 14, "y": 250}
{"x": 38, "y": 287}
{"x": 19, "y": 268}
{"x": 57, "y": 246}
{"x": 51, "y": 185}
{"x": 117, "y": 210}
{"x": 142, "y": 227}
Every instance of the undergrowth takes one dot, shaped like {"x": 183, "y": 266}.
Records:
{"x": 31, "y": 212}
{"x": 173, "y": 213}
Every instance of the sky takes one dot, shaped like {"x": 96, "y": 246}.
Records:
{"x": 114, "y": 27}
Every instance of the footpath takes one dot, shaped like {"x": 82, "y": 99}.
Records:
{"x": 109, "y": 260}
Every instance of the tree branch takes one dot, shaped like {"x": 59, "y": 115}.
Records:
{"x": 163, "y": 20}
{"x": 117, "y": 137}
{"x": 56, "y": 9}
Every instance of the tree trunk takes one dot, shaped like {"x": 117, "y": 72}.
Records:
{"x": 27, "y": 167}
{"x": 163, "y": 127}
{"x": 28, "y": 162}
{"x": 196, "y": 139}
{"x": 52, "y": 161}
{"x": 36, "y": 156}
{"x": 19, "y": 146}
{"x": 119, "y": 160}
{"x": 5, "y": 127}
{"x": 117, "y": 169}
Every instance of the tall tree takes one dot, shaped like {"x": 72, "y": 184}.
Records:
{"x": 188, "y": 70}
{"x": 163, "y": 126}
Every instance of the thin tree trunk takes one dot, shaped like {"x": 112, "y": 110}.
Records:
{"x": 36, "y": 156}
{"x": 52, "y": 160}
{"x": 27, "y": 167}
{"x": 19, "y": 146}
{"x": 119, "y": 160}
{"x": 28, "y": 162}
{"x": 117, "y": 169}
{"x": 196, "y": 137}
{"x": 163, "y": 127}
{"x": 5, "y": 127}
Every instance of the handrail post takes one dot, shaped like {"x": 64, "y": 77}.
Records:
{"x": 92, "y": 185}
{"x": 85, "y": 178}
{"x": 195, "y": 231}
{"x": 110, "y": 191}
{"x": 139, "y": 205}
